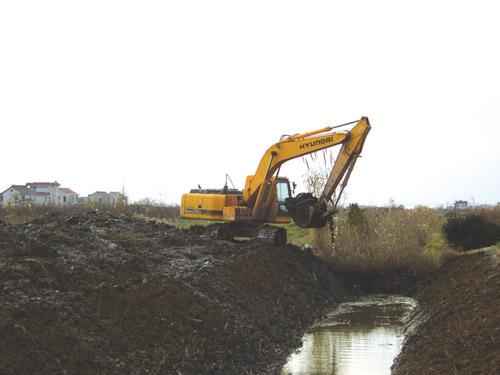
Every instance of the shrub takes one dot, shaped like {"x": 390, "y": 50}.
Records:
{"x": 470, "y": 232}
{"x": 356, "y": 218}
{"x": 434, "y": 250}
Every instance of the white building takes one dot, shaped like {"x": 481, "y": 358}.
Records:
{"x": 40, "y": 194}
{"x": 18, "y": 195}
{"x": 99, "y": 197}
{"x": 108, "y": 199}
{"x": 47, "y": 193}
{"x": 52, "y": 194}
{"x": 461, "y": 205}
{"x": 117, "y": 198}
{"x": 69, "y": 197}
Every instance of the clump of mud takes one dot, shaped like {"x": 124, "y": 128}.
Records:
{"x": 94, "y": 293}
{"x": 457, "y": 328}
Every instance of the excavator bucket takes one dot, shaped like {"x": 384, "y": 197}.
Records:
{"x": 307, "y": 211}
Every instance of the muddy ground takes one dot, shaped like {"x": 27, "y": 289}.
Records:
{"x": 456, "y": 329}
{"x": 99, "y": 294}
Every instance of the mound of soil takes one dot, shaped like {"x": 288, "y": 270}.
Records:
{"x": 457, "y": 327}
{"x": 99, "y": 294}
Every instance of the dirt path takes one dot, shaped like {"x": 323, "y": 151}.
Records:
{"x": 97, "y": 294}
{"x": 459, "y": 328}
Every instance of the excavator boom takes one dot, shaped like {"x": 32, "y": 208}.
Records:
{"x": 308, "y": 214}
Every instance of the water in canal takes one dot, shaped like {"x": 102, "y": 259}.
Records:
{"x": 362, "y": 336}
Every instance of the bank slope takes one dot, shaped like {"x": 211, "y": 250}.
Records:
{"x": 458, "y": 329}
{"x": 98, "y": 294}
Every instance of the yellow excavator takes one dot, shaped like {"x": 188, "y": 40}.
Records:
{"x": 267, "y": 198}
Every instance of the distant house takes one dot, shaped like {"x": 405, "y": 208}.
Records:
{"x": 461, "y": 205}
{"x": 69, "y": 197}
{"x": 17, "y": 195}
{"x": 108, "y": 199}
{"x": 52, "y": 194}
{"x": 100, "y": 197}
{"x": 117, "y": 197}
{"x": 47, "y": 193}
{"x": 39, "y": 194}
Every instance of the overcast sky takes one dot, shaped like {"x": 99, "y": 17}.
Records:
{"x": 160, "y": 96}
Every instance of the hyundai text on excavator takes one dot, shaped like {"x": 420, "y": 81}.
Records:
{"x": 267, "y": 198}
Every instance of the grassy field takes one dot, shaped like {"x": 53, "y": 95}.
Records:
{"x": 299, "y": 236}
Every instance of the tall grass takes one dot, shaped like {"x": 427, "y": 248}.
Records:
{"x": 490, "y": 215}
{"x": 383, "y": 239}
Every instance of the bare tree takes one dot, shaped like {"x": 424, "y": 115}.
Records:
{"x": 318, "y": 171}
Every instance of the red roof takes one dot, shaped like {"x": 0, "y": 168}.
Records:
{"x": 67, "y": 191}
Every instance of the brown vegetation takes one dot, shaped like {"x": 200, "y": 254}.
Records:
{"x": 384, "y": 249}
{"x": 375, "y": 239}
{"x": 491, "y": 215}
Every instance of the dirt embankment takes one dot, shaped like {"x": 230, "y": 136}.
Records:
{"x": 97, "y": 294}
{"x": 457, "y": 325}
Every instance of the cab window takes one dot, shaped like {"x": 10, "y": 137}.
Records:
{"x": 282, "y": 192}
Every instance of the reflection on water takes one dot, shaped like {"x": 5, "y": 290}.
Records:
{"x": 362, "y": 336}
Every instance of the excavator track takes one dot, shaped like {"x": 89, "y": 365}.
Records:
{"x": 268, "y": 234}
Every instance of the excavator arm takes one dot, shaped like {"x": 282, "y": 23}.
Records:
{"x": 307, "y": 211}
{"x": 289, "y": 148}
{"x": 346, "y": 159}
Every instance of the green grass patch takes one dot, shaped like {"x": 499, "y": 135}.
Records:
{"x": 434, "y": 248}
{"x": 188, "y": 223}
{"x": 298, "y": 236}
